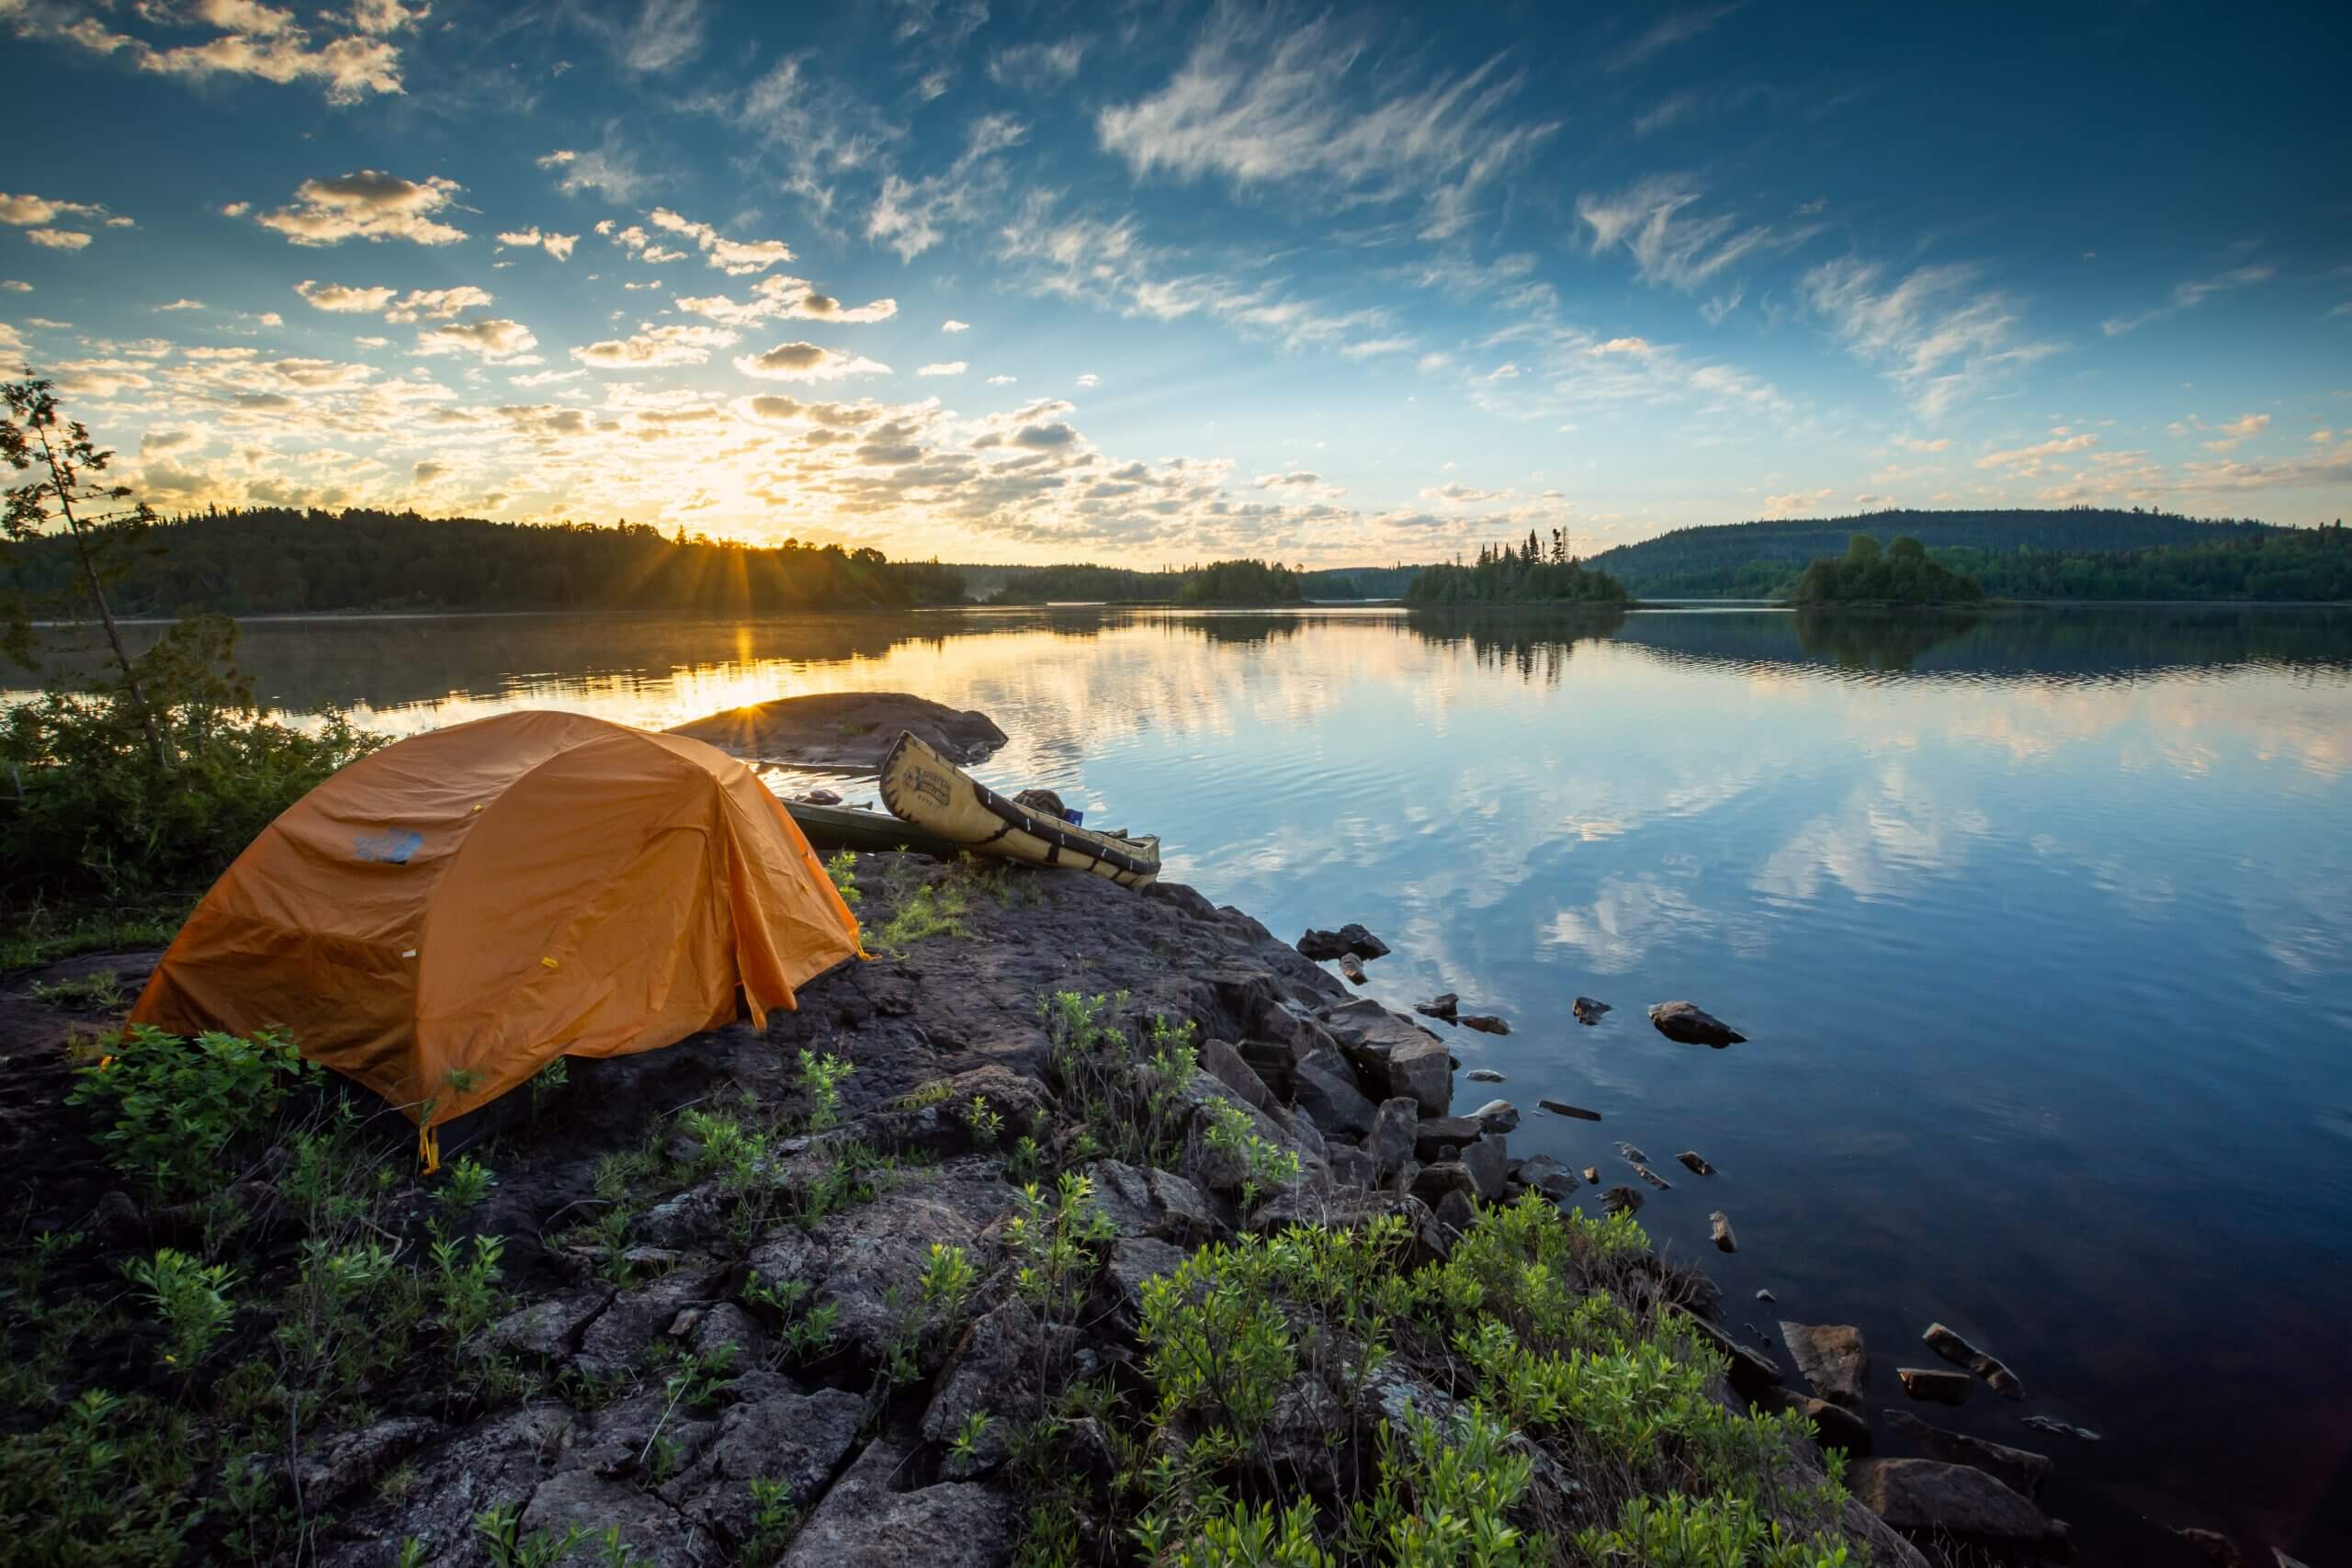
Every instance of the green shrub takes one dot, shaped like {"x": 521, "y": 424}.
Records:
{"x": 97, "y": 1488}
{"x": 928, "y": 911}
{"x": 466, "y": 1184}
{"x": 170, "y": 1111}
{"x": 820, "y": 1079}
{"x": 190, "y": 1299}
{"x": 843, "y": 869}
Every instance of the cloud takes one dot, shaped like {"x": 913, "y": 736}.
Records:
{"x": 1089, "y": 380}
{"x": 807, "y": 362}
{"x": 495, "y": 339}
{"x": 955, "y": 326}
{"x": 666, "y": 34}
{"x": 1941, "y": 337}
{"x": 737, "y": 258}
{"x": 2228, "y": 438}
{"x": 353, "y": 60}
{"x": 1669, "y": 245}
{"x": 1003, "y": 380}
{"x": 1045, "y": 437}
{"x": 2028, "y": 458}
{"x": 610, "y": 173}
{"x": 1621, "y": 345}
{"x": 1265, "y": 100}
{"x": 1678, "y": 27}
{"x": 368, "y": 205}
{"x": 1914, "y": 444}
{"x": 557, "y": 245}
{"x": 25, "y": 210}
{"x": 338, "y": 298}
{"x": 946, "y": 367}
{"x": 652, "y": 345}
{"x": 779, "y": 298}
{"x": 911, "y": 216}
{"x": 15, "y": 286}
{"x": 2188, "y": 296}
{"x": 1794, "y": 502}
{"x": 1036, "y": 65}
{"x": 57, "y": 238}
{"x": 181, "y": 305}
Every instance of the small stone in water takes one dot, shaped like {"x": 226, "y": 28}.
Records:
{"x": 1485, "y": 1075}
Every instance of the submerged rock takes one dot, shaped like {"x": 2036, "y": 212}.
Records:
{"x": 1832, "y": 1358}
{"x": 1592, "y": 1174}
{"x": 1719, "y": 1227}
{"x": 1485, "y": 1075}
{"x": 2020, "y": 1470}
{"x": 1441, "y": 1007}
{"x": 1698, "y": 1165}
{"x": 1562, "y": 1107}
{"x": 1944, "y": 1388}
{"x": 1351, "y": 941}
{"x": 2061, "y": 1428}
{"x": 819, "y": 797}
{"x": 1752, "y": 1376}
{"x": 1766, "y": 1296}
{"x": 1694, "y": 1026}
{"x": 1652, "y": 1177}
{"x": 1930, "y": 1498}
{"x": 1351, "y": 968}
{"x": 1630, "y": 1154}
{"x": 1588, "y": 1011}
{"x": 1623, "y": 1200}
{"x": 1948, "y": 1344}
{"x": 1484, "y": 1022}
{"x": 1496, "y": 1116}
{"x": 2215, "y": 1547}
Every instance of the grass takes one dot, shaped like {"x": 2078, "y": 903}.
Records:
{"x": 932, "y": 910}
{"x": 42, "y": 934}
{"x": 98, "y": 991}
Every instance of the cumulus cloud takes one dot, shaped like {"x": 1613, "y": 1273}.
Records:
{"x": 339, "y": 297}
{"x": 652, "y": 345}
{"x": 955, "y": 326}
{"x": 1265, "y": 100}
{"x": 944, "y": 367}
{"x": 737, "y": 258}
{"x": 59, "y": 239}
{"x": 352, "y": 56}
{"x": 1003, "y": 380}
{"x": 15, "y": 286}
{"x": 1623, "y": 345}
{"x": 1796, "y": 502}
{"x": 494, "y": 340}
{"x": 368, "y": 205}
{"x": 779, "y": 298}
{"x": 1940, "y": 335}
{"x": 2188, "y": 296}
{"x": 807, "y": 362}
{"x": 24, "y": 211}
{"x": 557, "y": 245}
{"x": 1089, "y": 380}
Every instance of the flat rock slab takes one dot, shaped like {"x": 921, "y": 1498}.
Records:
{"x": 1484, "y": 1022}
{"x": 2020, "y": 1470}
{"x": 1694, "y": 1026}
{"x": 1832, "y": 1358}
{"x": 1696, "y": 1163}
{"x": 1930, "y": 1498}
{"x": 848, "y": 730}
{"x": 1562, "y": 1107}
{"x": 1949, "y": 1343}
{"x": 862, "y": 1524}
{"x": 1926, "y": 1382}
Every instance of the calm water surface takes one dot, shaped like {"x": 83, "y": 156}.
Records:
{"x": 2038, "y": 926}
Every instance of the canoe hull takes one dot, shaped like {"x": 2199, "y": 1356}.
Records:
{"x": 869, "y": 832}
{"x": 927, "y": 790}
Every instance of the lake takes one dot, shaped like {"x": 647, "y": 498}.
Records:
{"x": 2039, "y": 926}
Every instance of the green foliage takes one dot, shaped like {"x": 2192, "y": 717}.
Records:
{"x": 775, "y": 1516}
{"x": 465, "y": 1184}
{"x": 98, "y": 991}
{"x": 1239, "y": 582}
{"x": 843, "y": 869}
{"x": 99, "y": 1487}
{"x": 934, "y": 1313}
{"x": 190, "y": 1300}
{"x": 1057, "y": 1244}
{"x": 1242, "y": 1536}
{"x": 1900, "y": 575}
{"x": 1232, "y": 1132}
{"x": 1537, "y": 573}
{"x": 964, "y": 1447}
{"x": 173, "y": 1112}
{"x": 547, "y": 1082}
{"x": 465, "y": 1288}
{"x": 1130, "y": 1095}
{"x": 500, "y": 1529}
{"x": 933, "y": 909}
{"x": 987, "y": 1125}
{"x": 1447, "y": 1493}
{"x": 1218, "y": 1347}
{"x": 1682, "y": 1531}
{"x": 820, "y": 1079}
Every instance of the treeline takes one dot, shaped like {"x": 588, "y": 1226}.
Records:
{"x": 1900, "y": 574}
{"x": 1219, "y": 582}
{"x": 1764, "y": 560}
{"x": 272, "y": 561}
{"x": 1531, "y": 573}
{"x": 2286, "y": 564}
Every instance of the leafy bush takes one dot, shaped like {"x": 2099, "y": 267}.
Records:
{"x": 95, "y": 1487}
{"x": 190, "y": 1299}
{"x": 170, "y": 1111}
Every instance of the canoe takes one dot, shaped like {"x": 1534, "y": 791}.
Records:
{"x": 847, "y": 828}
{"x": 933, "y": 793}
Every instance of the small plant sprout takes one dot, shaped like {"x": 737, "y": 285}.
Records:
{"x": 465, "y": 1185}
{"x": 820, "y": 1080}
{"x": 775, "y": 1516}
{"x": 964, "y": 1447}
{"x": 986, "y": 1124}
{"x": 843, "y": 869}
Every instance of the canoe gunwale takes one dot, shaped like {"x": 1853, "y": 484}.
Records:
{"x": 1021, "y": 833}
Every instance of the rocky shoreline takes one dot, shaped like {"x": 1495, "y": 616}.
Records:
{"x": 906, "y": 1279}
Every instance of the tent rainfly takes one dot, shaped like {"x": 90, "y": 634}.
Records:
{"x": 441, "y": 920}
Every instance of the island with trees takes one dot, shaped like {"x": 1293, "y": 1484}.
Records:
{"x": 1900, "y": 574}
{"x": 1535, "y": 572}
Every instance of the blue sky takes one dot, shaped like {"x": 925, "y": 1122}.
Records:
{"x": 1020, "y": 282}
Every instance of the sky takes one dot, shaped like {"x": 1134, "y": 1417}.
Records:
{"x": 993, "y": 281}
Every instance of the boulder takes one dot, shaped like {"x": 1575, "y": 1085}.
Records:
{"x": 844, "y": 730}
{"x": 548, "y": 1328}
{"x": 1588, "y": 1011}
{"x": 1621, "y": 1200}
{"x": 638, "y": 1316}
{"x": 1325, "y": 1088}
{"x": 1562, "y": 1107}
{"x": 1351, "y": 968}
{"x": 1832, "y": 1358}
{"x": 1134, "y": 1259}
{"x": 1446, "y": 1176}
{"x": 1442, "y": 1006}
{"x": 1547, "y": 1176}
{"x": 2212, "y": 1546}
{"x": 1225, "y": 1064}
{"x": 862, "y": 1523}
{"x": 1439, "y": 1133}
{"x": 1349, "y": 1209}
{"x": 1395, "y": 1132}
{"x": 1834, "y": 1426}
{"x": 1361, "y": 943}
{"x": 651, "y": 1528}
{"x": 1692, "y": 1162}
{"x": 1592, "y": 1175}
{"x": 797, "y": 1438}
{"x": 1944, "y": 1342}
{"x": 1719, "y": 1229}
{"x": 1944, "y": 1388}
{"x": 1349, "y": 940}
{"x": 1228, "y": 1171}
{"x": 1752, "y": 1376}
{"x": 1395, "y": 1056}
{"x": 1929, "y": 1497}
{"x": 1496, "y": 1116}
{"x": 1488, "y": 1164}
{"x": 2020, "y": 1470}
{"x": 1351, "y": 1167}
{"x": 1484, "y": 1074}
{"x": 1484, "y": 1022}
{"x": 1692, "y": 1026}
{"x": 354, "y": 1460}
{"x": 1143, "y": 1201}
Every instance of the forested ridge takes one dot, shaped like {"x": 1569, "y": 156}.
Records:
{"x": 283, "y": 562}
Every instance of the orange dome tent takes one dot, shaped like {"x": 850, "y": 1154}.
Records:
{"x": 441, "y": 920}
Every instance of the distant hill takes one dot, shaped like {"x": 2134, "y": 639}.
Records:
{"x": 1763, "y": 560}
